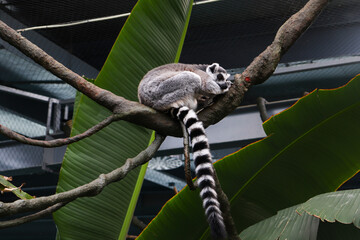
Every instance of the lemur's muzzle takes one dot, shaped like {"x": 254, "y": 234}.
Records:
{"x": 223, "y": 85}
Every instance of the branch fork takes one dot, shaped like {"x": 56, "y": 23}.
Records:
{"x": 122, "y": 109}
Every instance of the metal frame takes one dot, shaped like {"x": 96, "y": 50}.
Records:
{"x": 24, "y": 93}
{"x": 303, "y": 66}
{"x": 55, "y": 110}
{"x": 315, "y": 64}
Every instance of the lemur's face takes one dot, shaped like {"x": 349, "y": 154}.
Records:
{"x": 219, "y": 75}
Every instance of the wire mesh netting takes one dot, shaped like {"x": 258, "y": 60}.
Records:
{"x": 15, "y": 156}
{"x": 21, "y": 124}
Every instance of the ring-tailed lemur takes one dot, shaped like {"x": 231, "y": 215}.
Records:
{"x": 180, "y": 89}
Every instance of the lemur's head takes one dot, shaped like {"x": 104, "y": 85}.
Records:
{"x": 219, "y": 75}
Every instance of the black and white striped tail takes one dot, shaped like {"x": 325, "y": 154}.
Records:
{"x": 204, "y": 169}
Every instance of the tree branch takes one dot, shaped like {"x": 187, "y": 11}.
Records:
{"x": 257, "y": 72}
{"x": 225, "y": 209}
{"x": 265, "y": 64}
{"x": 60, "y": 141}
{"x": 187, "y": 168}
{"x": 261, "y": 104}
{"x": 138, "y": 223}
{"x": 31, "y": 217}
{"x": 127, "y": 110}
{"x": 88, "y": 190}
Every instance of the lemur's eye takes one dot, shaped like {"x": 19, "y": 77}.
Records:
{"x": 220, "y": 77}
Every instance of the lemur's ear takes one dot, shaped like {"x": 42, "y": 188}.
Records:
{"x": 212, "y": 68}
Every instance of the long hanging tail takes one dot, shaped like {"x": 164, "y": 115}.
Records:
{"x": 204, "y": 169}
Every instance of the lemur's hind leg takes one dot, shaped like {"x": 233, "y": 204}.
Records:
{"x": 179, "y": 90}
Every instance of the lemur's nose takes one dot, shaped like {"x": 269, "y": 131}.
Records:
{"x": 223, "y": 85}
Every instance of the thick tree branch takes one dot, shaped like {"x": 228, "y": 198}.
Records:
{"x": 31, "y": 217}
{"x": 88, "y": 190}
{"x": 257, "y": 72}
{"x": 265, "y": 64}
{"x": 127, "y": 110}
{"x": 60, "y": 141}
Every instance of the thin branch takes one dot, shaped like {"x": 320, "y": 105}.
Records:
{"x": 187, "y": 168}
{"x": 261, "y": 104}
{"x": 60, "y": 141}
{"x": 128, "y": 237}
{"x": 31, "y": 217}
{"x": 87, "y": 190}
{"x": 225, "y": 209}
{"x": 138, "y": 223}
{"x": 175, "y": 190}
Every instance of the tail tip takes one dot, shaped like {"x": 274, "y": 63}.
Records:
{"x": 217, "y": 227}
{"x": 219, "y": 233}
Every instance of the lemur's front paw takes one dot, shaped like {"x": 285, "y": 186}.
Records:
{"x": 224, "y": 86}
{"x": 224, "y": 90}
{"x": 229, "y": 83}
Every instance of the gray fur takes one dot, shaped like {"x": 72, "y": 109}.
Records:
{"x": 174, "y": 85}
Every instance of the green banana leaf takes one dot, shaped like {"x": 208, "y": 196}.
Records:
{"x": 339, "y": 211}
{"x": 341, "y": 206}
{"x": 152, "y": 35}
{"x": 7, "y": 186}
{"x": 301, "y": 222}
{"x": 311, "y": 148}
{"x": 286, "y": 224}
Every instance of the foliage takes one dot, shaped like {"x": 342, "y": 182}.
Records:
{"x": 152, "y": 35}
{"x": 311, "y": 148}
{"x": 7, "y": 186}
{"x": 301, "y": 222}
{"x": 341, "y": 206}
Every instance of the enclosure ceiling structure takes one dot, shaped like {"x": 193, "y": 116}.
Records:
{"x": 231, "y": 32}
{"x": 20, "y": 72}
